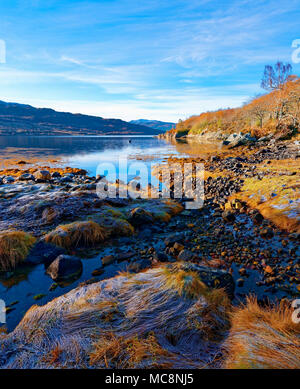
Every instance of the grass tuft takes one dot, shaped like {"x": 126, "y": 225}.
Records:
{"x": 14, "y": 248}
{"x": 263, "y": 337}
{"x": 111, "y": 351}
{"x": 77, "y": 234}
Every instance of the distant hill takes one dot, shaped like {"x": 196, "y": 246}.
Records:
{"x": 156, "y": 124}
{"x": 20, "y": 119}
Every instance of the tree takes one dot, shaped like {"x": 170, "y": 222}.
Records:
{"x": 275, "y": 77}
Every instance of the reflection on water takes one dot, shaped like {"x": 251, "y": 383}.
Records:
{"x": 84, "y": 152}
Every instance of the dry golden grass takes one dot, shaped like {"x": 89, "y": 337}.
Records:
{"x": 263, "y": 337}
{"x": 54, "y": 355}
{"x": 187, "y": 283}
{"x": 124, "y": 353}
{"x": 213, "y": 318}
{"x": 275, "y": 196}
{"x": 84, "y": 233}
{"x": 14, "y": 248}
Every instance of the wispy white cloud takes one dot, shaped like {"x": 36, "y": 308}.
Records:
{"x": 128, "y": 59}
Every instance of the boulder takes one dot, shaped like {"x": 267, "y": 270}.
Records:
{"x": 55, "y": 175}
{"x": 238, "y": 139}
{"x": 26, "y": 177}
{"x": 42, "y": 176}
{"x": 8, "y": 180}
{"x": 43, "y": 253}
{"x": 139, "y": 217}
{"x": 139, "y": 265}
{"x": 213, "y": 278}
{"x": 64, "y": 267}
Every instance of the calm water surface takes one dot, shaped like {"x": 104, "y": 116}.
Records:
{"x": 85, "y": 152}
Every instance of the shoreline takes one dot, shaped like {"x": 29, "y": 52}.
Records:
{"x": 228, "y": 234}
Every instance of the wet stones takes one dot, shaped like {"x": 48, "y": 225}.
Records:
{"x": 160, "y": 257}
{"x": 64, "y": 267}
{"x": 124, "y": 256}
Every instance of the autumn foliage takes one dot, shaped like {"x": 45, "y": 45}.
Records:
{"x": 276, "y": 112}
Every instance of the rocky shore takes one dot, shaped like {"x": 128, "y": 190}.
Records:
{"x": 187, "y": 268}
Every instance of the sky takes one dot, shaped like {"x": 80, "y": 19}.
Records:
{"x": 152, "y": 59}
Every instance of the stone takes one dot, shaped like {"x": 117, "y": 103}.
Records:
{"x": 139, "y": 217}
{"x": 185, "y": 255}
{"x": 42, "y": 176}
{"x": 64, "y": 267}
{"x": 160, "y": 257}
{"x": 213, "y": 278}
{"x": 267, "y": 233}
{"x": 8, "y": 180}
{"x": 257, "y": 218}
{"x": 139, "y": 265}
{"x": 26, "y": 177}
{"x": 108, "y": 260}
{"x": 238, "y": 139}
{"x": 66, "y": 179}
{"x": 55, "y": 175}
{"x": 228, "y": 216}
{"x": 43, "y": 253}
{"x": 177, "y": 246}
{"x": 173, "y": 238}
{"x": 97, "y": 272}
{"x": 124, "y": 256}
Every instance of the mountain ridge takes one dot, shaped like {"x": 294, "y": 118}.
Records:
{"x": 156, "y": 124}
{"x": 24, "y": 119}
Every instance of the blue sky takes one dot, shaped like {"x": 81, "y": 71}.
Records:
{"x": 134, "y": 59}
